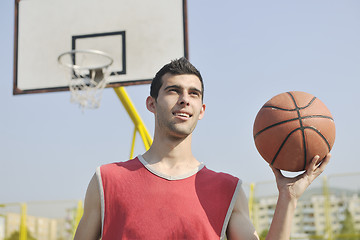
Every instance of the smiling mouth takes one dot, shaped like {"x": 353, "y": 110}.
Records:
{"x": 179, "y": 114}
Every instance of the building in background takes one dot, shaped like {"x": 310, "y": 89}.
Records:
{"x": 47, "y": 220}
{"x": 312, "y": 217}
{"x": 40, "y": 228}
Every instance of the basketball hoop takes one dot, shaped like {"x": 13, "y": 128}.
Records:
{"x": 89, "y": 74}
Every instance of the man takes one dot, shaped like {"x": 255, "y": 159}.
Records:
{"x": 166, "y": 193}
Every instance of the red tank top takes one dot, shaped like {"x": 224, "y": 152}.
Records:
{"x": 140, "y": 203}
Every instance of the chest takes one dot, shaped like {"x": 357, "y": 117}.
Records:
{"x": 142, "y": 205}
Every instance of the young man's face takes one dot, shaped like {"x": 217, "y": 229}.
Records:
{"x": 178, "y": 106}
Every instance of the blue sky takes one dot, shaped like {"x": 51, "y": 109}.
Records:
{"x": 247, "y": 52}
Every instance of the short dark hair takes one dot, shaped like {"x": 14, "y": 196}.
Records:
{"x": 175, "y": 67}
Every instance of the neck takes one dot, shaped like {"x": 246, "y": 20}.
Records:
{"x": 172, "y": 156}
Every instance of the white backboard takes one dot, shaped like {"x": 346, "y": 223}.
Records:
{"x": 140, "y": 35}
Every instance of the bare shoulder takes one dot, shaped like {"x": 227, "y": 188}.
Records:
{"x": 93, "y": 192}
{"x": 241, "y": 204}
{"x": 240, "y": 226}
{"x": 90, "y": 224}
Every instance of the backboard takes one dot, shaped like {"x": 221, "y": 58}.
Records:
{"x": 140, "y": 35}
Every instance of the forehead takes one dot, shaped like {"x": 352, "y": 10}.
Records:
{"x": 183, "y": 80}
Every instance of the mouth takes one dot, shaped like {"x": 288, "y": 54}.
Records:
{"x": 182, "y": 114}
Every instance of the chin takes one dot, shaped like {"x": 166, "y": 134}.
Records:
{"x": 181, "y": 133}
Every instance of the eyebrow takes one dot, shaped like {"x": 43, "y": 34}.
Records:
{"x": 196, "y": 90}
{"x": 179, "y": 87}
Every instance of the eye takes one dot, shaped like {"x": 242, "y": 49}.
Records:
{"x": 173, "y": 90}
{"x": 195, "y": 93}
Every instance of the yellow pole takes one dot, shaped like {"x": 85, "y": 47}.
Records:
{"x": 78, "y": 215}
{"x": 135, "y": 117}
{"x": 143, "y": 133}
{"x": 23, "y": 229}
{"x": 327, "y": 209}
{"x": 133, "y": 145}
{"x": 252, "y": 209}
{"x": 251, "y": 200}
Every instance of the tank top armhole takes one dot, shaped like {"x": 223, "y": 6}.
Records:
{"x": 101, "y": 191}
{"x": 230, "y": 209}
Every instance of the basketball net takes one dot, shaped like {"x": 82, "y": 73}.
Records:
{"x": 89, "y": 70}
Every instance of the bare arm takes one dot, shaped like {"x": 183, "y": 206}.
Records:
{"x": 290, "y": 190}
{"x": 240, "y": 226}
{"x": 90, "y": 225}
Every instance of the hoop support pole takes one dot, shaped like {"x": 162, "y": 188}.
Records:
{"x": 135, "y": 117}
{"x": 23, "y": 227}
{"x": 251, "y": 200}
{"x": 77, "y": 217}
{"x": 327, "y": 209}
{"x": 133, "y": 144}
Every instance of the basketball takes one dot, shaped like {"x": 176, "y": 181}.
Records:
{"x": 291, "y": 128}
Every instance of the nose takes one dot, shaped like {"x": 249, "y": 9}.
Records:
{"x": 184, "y": 99}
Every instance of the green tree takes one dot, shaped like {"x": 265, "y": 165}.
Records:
{"x": 16, "y": 235}
{"x": 263, "y": 234}
{"x": 348, "y": 228}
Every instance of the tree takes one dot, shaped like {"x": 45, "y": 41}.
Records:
{"x": 263, "y": 234}
{"x": 16, "y": 235}
{"x": 348, "y": 228}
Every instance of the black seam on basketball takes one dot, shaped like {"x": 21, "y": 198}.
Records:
{"x": 304, "y": 144}
{"x": 311, "y": 101}
{"x": 301, "y": 124}
{"x": 282, "y": 145}
{"x": 274, "y": 125}
{"x": 279, "y": 108}
{"x": 290, "y": 120}
{"x": 322, "y": 136}
{"x": 291, "y": 110}
{"x": 317, "y": 116}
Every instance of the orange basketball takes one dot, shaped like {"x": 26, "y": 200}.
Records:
{"x": 291, "y": 128}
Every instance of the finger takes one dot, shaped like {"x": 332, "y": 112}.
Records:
{"x": 324, "y": 162}
{"x": 321, "y": 166}
{"x": 312, "y": 164}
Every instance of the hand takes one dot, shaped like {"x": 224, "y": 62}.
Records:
{"x": 296, "y": 186}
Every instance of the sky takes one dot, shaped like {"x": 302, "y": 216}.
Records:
{"x": 247, "y": 52}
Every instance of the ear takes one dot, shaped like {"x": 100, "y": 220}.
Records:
{"x": 150, "y": 104}
{"x": 202, "y": 112}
